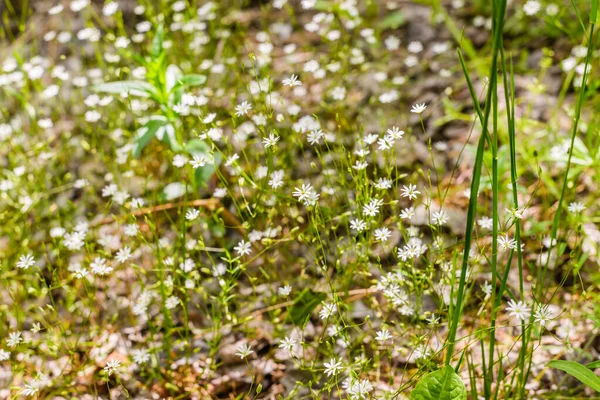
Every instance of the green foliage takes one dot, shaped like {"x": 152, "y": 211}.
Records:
{"x": 578, "y": 371}
{"x": 392, "y": 21}
{"x": 443, "y": 384}
{"x": 304, "y": 305}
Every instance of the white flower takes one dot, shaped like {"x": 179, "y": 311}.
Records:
{"x": 576, "y": 207}
{"x": 243, "y": 351}
{"x": 179, "y": 160}
{"x": 192, "y": 214}
{"x": 99, "y": 267}
{"x": 243, "y": 248}
{"x": 315, "y": 136}
{"x": 200, "y": 161}
{"x": 382, "y": 234}
{"x": 383, "y": 335}
{"x": 110, "y": 8}
{"x": 407, "y": 213}
{"x": 112, "y": 366}
{"x": 420, "y": 352}
{"x": 485, "y": 222}
{"x": 383, "y": 183}
{"x": 543, "y": 315}
{"x": 141, "y": 356}
{"x": 518, "y": 310}
{"x": 31, "y": 388}
{"x": 172, "y": 302}
{"x": 187, "y": 265}
{"x": 242, "y": 109}
{"x": 410, "y": 191}
{"x": 395, "y": 133}
{"x": 532, "y": 7}
{"x": 285, "y": 290}
{"x": 506, "y": 243}
{"x": 332, "y": 367}
{"x": 418, "y": 108}
{"x": 358, "y": 225}
{"x": 328, "y": 310}
{"x": 288, "y": 343}
{"x": 439, "y": 217}
{"x": 14, "y": 339}
{"x": 291, "y": 81}
{"x": 25, "y": 261}
{"x": 303, "y": 192}
{"x": 372, "y": 208}
{"x": 270, "y": 141}
{"x": 123, "y": 255}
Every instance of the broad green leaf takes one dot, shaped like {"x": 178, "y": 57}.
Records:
{"x": 197, "y": 147}
{"x": 190, "y": 80}
{"x": 593, "y": 365}
{"x": 142, "y": 138}
{"x": 393, "y": 21}
{"x": 157, "y": 42}
{"x": 581, "y": 154}
{"x": 578, "y": 371}
{"x": 159, "y": 127}
{"x": 594, "y": 16}
{"x": 304, "y": 304}
{"x": 443, "y": 384}
{"x": 172, "y": 75}
{"x": 147, "y": 132}
{"x": 203, "y": 174}
{"x": 136, "y": 88}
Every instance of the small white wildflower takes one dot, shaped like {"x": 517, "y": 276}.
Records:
{"x": 291, "y": 81}
{"x": 243, "y": 248}
{"x": 25, "y": 261}
{"x": 383, "y": 335}
{"x": 285, "y": 290}
{"x": 418, "y": 108}
{"x": 192, "y": 214}
{"x": 518, "y": 310}
{"x": 243, "y": 351}
{"x": 112, "y": 366}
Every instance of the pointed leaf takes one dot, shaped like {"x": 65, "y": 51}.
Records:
{"x": 393, "y": 21}
{"x": 443, "y": 384}
{"x": 578, "y": 371}
{"x": 135, "y": 88}
{"x": 173, "y": 75}
{"x": 190, "y": 80}
{"x": 157, "y": 42}
{"x": 593, "y": 364}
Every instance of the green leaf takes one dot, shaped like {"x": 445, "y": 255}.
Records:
{"x": 304, "y": 305}
{"x": 578, "y": 371}
{"x": 135, "y": 88}
{"x": 159, "y": 127}
{"x": 443, "y": 384}
{"x": 393, "y": 21}
{"x": 190, "y": 80}
{"x": 594, "y": 16}
{"x": 157, "y": 42}
{"x": 197, "y": 147}
{"x": 593, "y": 365}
